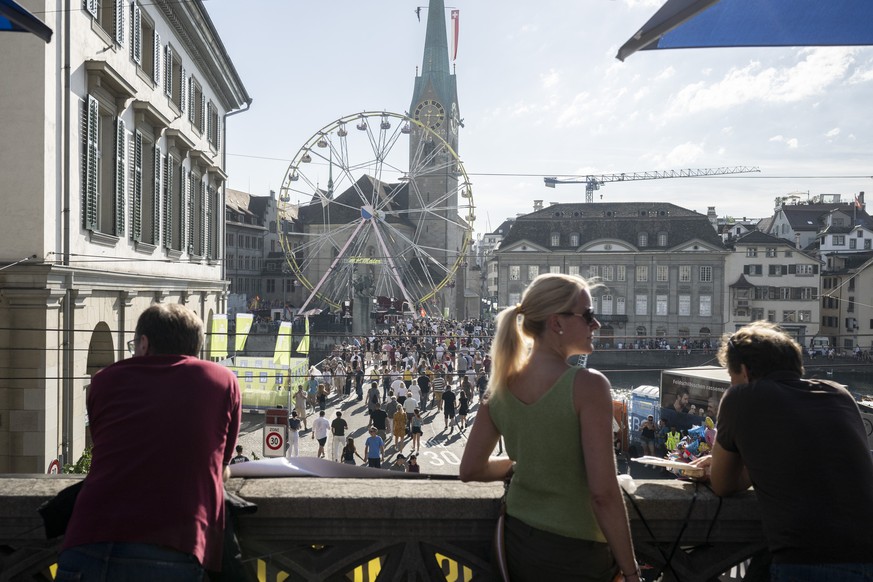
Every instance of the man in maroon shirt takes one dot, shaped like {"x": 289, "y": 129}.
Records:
{"x": 164, "y": 424}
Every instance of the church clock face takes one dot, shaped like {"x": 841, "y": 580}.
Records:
{"x": 431, "y": 113}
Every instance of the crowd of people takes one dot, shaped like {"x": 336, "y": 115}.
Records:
{"x": 412, "y": 373}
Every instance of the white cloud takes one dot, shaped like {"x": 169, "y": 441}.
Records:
{"x": 833, "y": 133}
{"x": 682, "y": 156}
{"x": 812, "y": 76}
{"x": 550, "y": 79}
{"x": 792, "y": 142}
{"x": 665, "y": 74}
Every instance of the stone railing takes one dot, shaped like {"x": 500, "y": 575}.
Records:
{"x": 366, "y": 529}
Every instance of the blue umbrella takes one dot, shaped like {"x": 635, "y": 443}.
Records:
{"x": 754, "y": 23}
{"x": 16, "y": 19}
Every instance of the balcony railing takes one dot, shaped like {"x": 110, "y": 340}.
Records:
{"x": 364, "y": 529}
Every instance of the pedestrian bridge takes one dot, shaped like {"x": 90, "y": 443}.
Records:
{"x": 357, "y": 530}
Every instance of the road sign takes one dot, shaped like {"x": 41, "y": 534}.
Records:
{"x": 274, "y": 441}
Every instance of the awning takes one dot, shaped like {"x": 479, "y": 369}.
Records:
{"x": 14, "y": 18}
{"x": 754, "y": 23}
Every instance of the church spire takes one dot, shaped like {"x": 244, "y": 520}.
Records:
{"x": 436, "y": 44}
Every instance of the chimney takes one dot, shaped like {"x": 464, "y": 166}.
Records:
{"x": 538, "y": 205}
{"x": 273, "y": 194}
{"x": 797, "y": 240}
{"x": 712, "y": 216}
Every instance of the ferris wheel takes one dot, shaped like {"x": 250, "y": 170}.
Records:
{"x": 381, "y": 208}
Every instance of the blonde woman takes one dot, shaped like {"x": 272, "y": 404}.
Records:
{"x": 399, "y": 432}
{"x": 566, "y": 519}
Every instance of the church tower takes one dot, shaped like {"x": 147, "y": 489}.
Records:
{"x": 435, "y": 104}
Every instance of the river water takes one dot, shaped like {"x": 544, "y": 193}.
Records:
{"x": 858, "y": 383}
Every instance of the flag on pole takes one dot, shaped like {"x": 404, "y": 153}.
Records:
{"x": 243, "y": 325}
{"x": 282, "y": 354}
{"x": 303, "y": 348}
{"x": 455, "y": 19}
{"x": 218, "y": 337}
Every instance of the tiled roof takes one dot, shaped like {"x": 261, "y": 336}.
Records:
{"x": 614, "y": 221}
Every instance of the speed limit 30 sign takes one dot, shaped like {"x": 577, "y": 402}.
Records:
{"x": 274, "y": 441}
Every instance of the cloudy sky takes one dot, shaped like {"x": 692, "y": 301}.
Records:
{"x": 541, "y": 93}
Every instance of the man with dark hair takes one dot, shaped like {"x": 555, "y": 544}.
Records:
{"x": 164, "y": 425}
{"x": 813, "y": 490}
{"x": 338, "y": 428}
{"x": 240, "y": 457}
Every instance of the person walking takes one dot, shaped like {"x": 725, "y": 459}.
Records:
{"x": 438, "y": 386}
{"x": 399, "y": 432}
{"x": 374, "y": 449}
{"x": 463, "y": 409}
{"x": 338, "y": 428}
{"x": 812, "y": 499}
{"x": 300, "y": 405}
{"x": 350, "y": 452}
{"x": 320, "y": 428}
{"x": 449, "y": 398}
{"x": 124, "y": 524}
{"x": 416, "y": 424}
{"x": 565, "y": 517}
{"x": 293, "y": 436}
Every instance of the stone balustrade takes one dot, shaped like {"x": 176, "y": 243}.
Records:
{"x": 367, "y": 529}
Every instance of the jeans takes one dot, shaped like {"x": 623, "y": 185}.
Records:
{"x": 821, "y": 572}
{"x": 127, "y": 562}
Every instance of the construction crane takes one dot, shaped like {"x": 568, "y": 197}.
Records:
{"x": 594, "y": 182}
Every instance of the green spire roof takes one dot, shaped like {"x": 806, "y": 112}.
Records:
{"x": 436, "y": 45}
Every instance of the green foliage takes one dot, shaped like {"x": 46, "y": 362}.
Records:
{"x": 82, "y": 466}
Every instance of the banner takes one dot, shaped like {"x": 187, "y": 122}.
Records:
{"x": 243, "y": 325}
{"x": 303, "y": 348}
{"x": 264, "y": 384}
{"x": 455, "y": 25}
{"x": 218, "y": 338}
{"x": 282, "y": 354}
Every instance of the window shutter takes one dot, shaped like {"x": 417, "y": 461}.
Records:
{"x": 120, "y": 135}
{"x": 202, "y": 124}
{"x": 156, "y": 208}
{"x": 91, "y": 6}
{"x": 209, "y": 125}
{"x": 168, "y": 71}
{"x": 136, "y": 226}
{"x": 815, "y": 269}
{"x": 91, "y": 131}
{"x": 204, "y": 226}
{"x": 119, "y": 21}
{"x": 746, "y": 269}
{"x": 168, "y": 201}
{"x": 210, "y": 244}
{"x": 156, "y": 54}
{"x": 191, "y": 97}
{"x": 792, "y": 269}
{"x": 183, "y": 209}
{"x": 136, "y": 33}
{"x": 189, "y": 213}
{"x": 217, "y": 131}
{"x": 183, "y": 95}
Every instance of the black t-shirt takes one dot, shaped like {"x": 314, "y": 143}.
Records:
{"x": 379, "y": 417}
{"x": 448, "y": 400}
{"x": 816, "y": 486}
{"x": 424, "y": 383}
{"x": 339, "y": 426}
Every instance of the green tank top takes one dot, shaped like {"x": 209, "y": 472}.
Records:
{"x": 549, "y": 489}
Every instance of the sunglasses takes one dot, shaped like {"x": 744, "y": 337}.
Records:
{"x": 587, "y": 315}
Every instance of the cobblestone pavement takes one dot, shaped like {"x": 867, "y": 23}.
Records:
{"x": 441, "y": 450}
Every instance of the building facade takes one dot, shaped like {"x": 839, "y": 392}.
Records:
{"x": 661, "y": 267}
{"x": 771, "y": 279}
{"x": 112, "y": 152}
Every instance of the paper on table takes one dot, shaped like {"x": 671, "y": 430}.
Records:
{"x": 679, "y": 467}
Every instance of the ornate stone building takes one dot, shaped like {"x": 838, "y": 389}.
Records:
{"x": 661, "y": 267}
{"x": 112, "y": 151}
